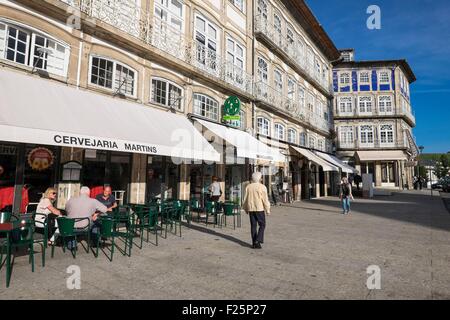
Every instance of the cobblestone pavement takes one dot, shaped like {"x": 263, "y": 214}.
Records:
{"x": 311, "y": 251}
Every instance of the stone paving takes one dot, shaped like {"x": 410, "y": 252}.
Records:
{"x": 311, "y": 251}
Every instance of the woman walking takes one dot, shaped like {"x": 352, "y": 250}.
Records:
{"x": 346, "y": 195}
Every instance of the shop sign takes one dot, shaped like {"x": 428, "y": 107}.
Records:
{"x": 8, "y": 150}
{"x": 40, "y": 159}
{"x": 232, "y": 108}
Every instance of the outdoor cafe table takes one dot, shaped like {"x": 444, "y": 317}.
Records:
{"x": 7, "y": 228}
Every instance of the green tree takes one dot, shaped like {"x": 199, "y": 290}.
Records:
{"x": 441, "y": 166}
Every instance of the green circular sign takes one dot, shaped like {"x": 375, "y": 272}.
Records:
{"x": 232, "y": 106}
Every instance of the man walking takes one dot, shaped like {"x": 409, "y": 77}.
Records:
{"x": 346, "y": 195}
{"x": 256, "y": 204}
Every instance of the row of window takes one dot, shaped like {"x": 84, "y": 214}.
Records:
{"x": 295, "y": 92}
{"x": 296, "y": 45}
{"x": 364, "y": 78}
{"x": 366, "y": 135}
{"x": 291, "y": 135}
{"x": 30, "y": 48}
{"x": 365, "y": 104}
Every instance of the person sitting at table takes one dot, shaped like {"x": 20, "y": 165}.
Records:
{"x": 107, "y": 198}
{"x": 46, "y": 207}
{"x": 86, "y": 207}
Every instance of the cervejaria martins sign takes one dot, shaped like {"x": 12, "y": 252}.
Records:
{"x": 94, "y": 143}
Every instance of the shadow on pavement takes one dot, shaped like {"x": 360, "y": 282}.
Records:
{"x": 221, "y": 235}
{"x": 412, "y": 207}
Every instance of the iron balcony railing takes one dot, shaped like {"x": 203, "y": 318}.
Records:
{"x": 267, "y": 94}
{"x": 376, "y": 112}
{"x": 374, "y": 144}
{"x": 291, "y": 48}
{"x": 139, "y": 23}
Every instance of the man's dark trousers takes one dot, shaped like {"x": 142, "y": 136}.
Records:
{"x": 257, "y": 218}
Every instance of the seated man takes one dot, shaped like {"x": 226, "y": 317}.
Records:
{"x": 86, "y": 207}
{"x": 107, "y": 198}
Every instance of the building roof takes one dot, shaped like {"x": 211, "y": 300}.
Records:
{"x": 305, "y": 17}
{"x": 381, "y": 63}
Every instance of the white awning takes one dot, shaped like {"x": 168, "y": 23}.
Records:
{"x": 381, "y": 155}
{"x": 337, "y": 162}
{"x": 246, "y": 145}
{"x": 34, "y": 110}
{"x": 326, "y": 166}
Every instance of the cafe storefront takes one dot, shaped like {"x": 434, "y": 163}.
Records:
{"x": 59, "y": 136}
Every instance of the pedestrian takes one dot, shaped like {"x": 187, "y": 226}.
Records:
{"x": 357, "y": 180}
{"x": 346, "y": 195}
{"x": 421, "y": 181}
{"x": 256, "y": 204}
{"x": 215, "y": 189}
{"x": 86, "y": 207}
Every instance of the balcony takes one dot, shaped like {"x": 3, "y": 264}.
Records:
{"x": 294, "y": 54}
{"x": 156, "y": 32}
{"x": 376, "y": 113}
{"x": 269, "y": 96}
{"x": 376, "y": 144}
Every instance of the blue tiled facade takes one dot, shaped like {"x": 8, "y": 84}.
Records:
{"x": 356, "y": 86}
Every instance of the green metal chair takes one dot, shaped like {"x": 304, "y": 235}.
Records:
{"x": 145, "y": 218}
{"x": 195, "y": 207}
{"x": 67, "y": 230}
{"x": 21, "y": 236}
{"x": 108, "y": 231}
{"x": 211, "y": 209}
{"x": 41, "y": 232}
{"x": 187, "y": 211}
{"x": 232, "y": 209}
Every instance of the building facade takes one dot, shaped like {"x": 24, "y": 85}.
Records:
{"x": 373, "y": 119}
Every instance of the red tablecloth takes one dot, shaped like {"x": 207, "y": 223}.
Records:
{"x": 7, "y": 198}
{"x": 96, "y": 191}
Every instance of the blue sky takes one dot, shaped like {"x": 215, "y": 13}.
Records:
{"x": 417, "y": 30}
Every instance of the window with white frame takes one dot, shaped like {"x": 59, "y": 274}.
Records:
{"x": 345, "y": 105}
{"x": 301, "y": 97}
{"x": 263, "y": 73}
{"x": 113, "y": 75}
{"x": 262, "y": 9}
{"x": 241, "y": 124}
{"x": 167, "y": 93}
{"x": 365, "y": 104}
{"x": 206, "y": 106}
{"x": 344, "y": 79}
{"x": 280, "y": 131}
{"x": 29, "y": 48}
{"x": 346, "y": 136}
{"x": 318, "y": 68}
{"x": 301, "y": 50}
{"x": 364, "y": 78}
{"x": 238, "y": 4}
{"x": 235, "y": 53}
{"x": 386, "y": 134}
{"x": 321, "y": 145}
{"x": 170, "y": 12}
{"x": 263, "y": 126}
{"x": 303, "y": 137}
{"x": 312, "y": 142}
{"x": 310, "y": 60}
{"x": 310, "y": 102}
{"x": 277, "y": 28}
{"x": 290, "y": 36}
{"x": 291, "y": 89}
{"x": 385, "y": 104}
{"x": 366, "y": 134}
{"x": 292, "y": 136}
{"x": 319, "y": 109}
{"x": 384, "y": 77}
{"x": 207, "y": 42}
{"x": 278, "y": 80}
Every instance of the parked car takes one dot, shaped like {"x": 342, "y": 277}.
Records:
{"x": 437, "y": 185}
{"x": 446, "y": 184}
